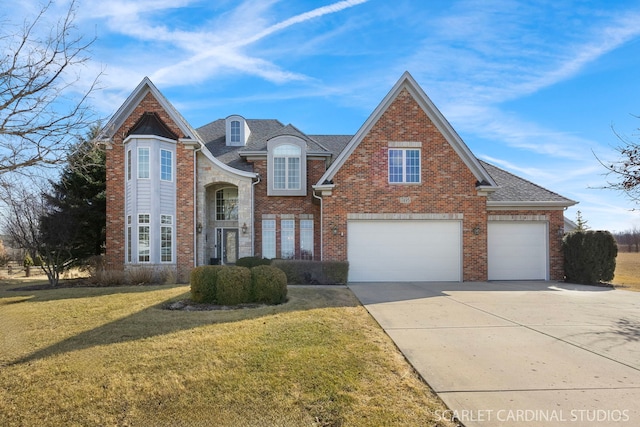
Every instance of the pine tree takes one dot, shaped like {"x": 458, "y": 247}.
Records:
{"x": 581, "y": 222}
{"x": 77, "y": 202}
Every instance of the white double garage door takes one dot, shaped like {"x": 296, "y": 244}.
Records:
{"x": 431, "y": 250}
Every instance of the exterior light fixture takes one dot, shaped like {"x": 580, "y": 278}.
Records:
{"x": 244, "y": 228}
{"x": 199, "y": 228}
{"x": 476, "y": 230}
{"x": 335, "y": 229}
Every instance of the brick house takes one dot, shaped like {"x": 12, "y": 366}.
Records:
{"x": 403, "y": 199}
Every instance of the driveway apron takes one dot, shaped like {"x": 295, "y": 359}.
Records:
{"x": 518, "y": 353}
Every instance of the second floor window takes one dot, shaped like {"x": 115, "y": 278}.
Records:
{"x": 286, "y": 167}
{"x": 143, "y": 163}
{"x": 166, "y": 165}
{"x": 404, "y": 166}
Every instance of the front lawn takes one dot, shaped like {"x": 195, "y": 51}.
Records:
{"x": 114, "y": 356}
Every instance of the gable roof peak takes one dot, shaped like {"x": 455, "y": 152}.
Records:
{"x": 406, "y": 81}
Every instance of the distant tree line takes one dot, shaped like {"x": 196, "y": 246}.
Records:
{"x": 629, "y": 240}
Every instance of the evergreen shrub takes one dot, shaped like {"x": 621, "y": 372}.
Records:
{"x": 589, "y": 256}
{"x": 268, "y": 285}
{"x": 203, "y": 283}
{"x": 233, "y": 285}
{"x": 300, "y": 272}
{"x": 252, "y": 261}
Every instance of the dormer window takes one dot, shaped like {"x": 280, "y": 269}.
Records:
{"x": 237, "y": 131}
{"x": 286, "y": 163}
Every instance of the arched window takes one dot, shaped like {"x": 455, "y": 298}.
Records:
{"x": 286, "y": 167}
{"x": 235, "y": 132}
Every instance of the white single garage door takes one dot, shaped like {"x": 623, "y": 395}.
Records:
{"x": 518, "y": 250}
{"x": 404, "y": 251}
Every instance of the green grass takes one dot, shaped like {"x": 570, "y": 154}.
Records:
{"x": 114, "y": 356}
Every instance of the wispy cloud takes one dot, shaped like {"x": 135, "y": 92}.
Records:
{"x": 210, "y": 52}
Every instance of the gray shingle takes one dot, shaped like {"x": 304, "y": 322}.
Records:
{"x": 516, "y": 189}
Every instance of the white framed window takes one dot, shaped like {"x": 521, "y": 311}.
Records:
{"x": 404, "y": 165}
{"x": 227, "y": 204}
{"x": 144, "y": 238}
{"x": 287, "y": 239}
{"x": 286, "y": 167}
{"x": 166, "y": 165}
{"x": 269, "y": 238}
{"x": 129, "y": 239}
{"x": 306, "y": 239}
{"x": 143, "y": 162}
{"x": 235, "y": 131}
{"x": 128, "y": 165}
{"x": 166, "y": 238}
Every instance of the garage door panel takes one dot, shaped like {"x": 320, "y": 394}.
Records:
{"x": 404, "y": 251}
{"x": 517, "y": 251}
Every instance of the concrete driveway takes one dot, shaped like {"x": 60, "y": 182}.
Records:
{"x": 518, "y": 353}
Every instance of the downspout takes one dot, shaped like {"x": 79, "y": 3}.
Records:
{"x": 253, "y": 215}
{"x": 321, "y": 226}
{"x": 195, "y": 206}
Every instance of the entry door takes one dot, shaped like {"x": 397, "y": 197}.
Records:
{"x": 227, "y": 245}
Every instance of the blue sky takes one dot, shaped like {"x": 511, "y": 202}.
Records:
{"x": 534, "y": 87}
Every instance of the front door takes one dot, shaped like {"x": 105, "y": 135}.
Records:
{"x": 227, "y": 245}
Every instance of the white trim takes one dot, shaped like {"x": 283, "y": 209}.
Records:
{"x": 404, "y": 216}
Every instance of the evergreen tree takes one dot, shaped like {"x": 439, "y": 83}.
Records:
{"x": 77, "y": 202}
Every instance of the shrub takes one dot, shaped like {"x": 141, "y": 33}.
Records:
{"x": 107, "y": 278}
{"x": 234, "y": 285}
{"x": 268, "y": 285}
{"x": 252, "y": 261}
{"x": 141, "y": 276}
{"x": 589, "y": 256}
{"x": 335, "y": 272}
{"x": 313, "y": 272}
{"x": 204, "y": 283}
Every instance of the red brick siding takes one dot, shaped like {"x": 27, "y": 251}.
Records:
{"x": 115, "y": 163}
{"x": 448, "y": 186}
{"x": 296, "y": 205}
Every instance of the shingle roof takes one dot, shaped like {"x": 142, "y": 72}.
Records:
{"x": 262, "y": 130}
{"x": 512, "y": 188}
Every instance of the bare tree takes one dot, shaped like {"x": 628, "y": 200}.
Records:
{"x": 626, "y": 170}
{"x": 41, "y": 112}
{"x": 30, "y": 224}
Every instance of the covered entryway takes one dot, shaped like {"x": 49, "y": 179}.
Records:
{"x": 404, "y": 250}
{"x": 518, "y": 250}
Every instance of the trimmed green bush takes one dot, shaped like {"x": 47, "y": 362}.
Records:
{"x": 252, "y": 261}
{"x": 203, "y": 283}
{"x": 301, "y": 272}
{"x": 268, "y": 285}
{"x": 589, "y": 256}
{"x": 335, "y": 272}
{"x": 233, "y": 286}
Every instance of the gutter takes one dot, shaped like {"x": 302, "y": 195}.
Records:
{"x": 253, "y": 214}
{"x": 321, "y": 226}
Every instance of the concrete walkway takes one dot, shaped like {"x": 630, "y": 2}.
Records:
{"x": 518, "y": 353}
